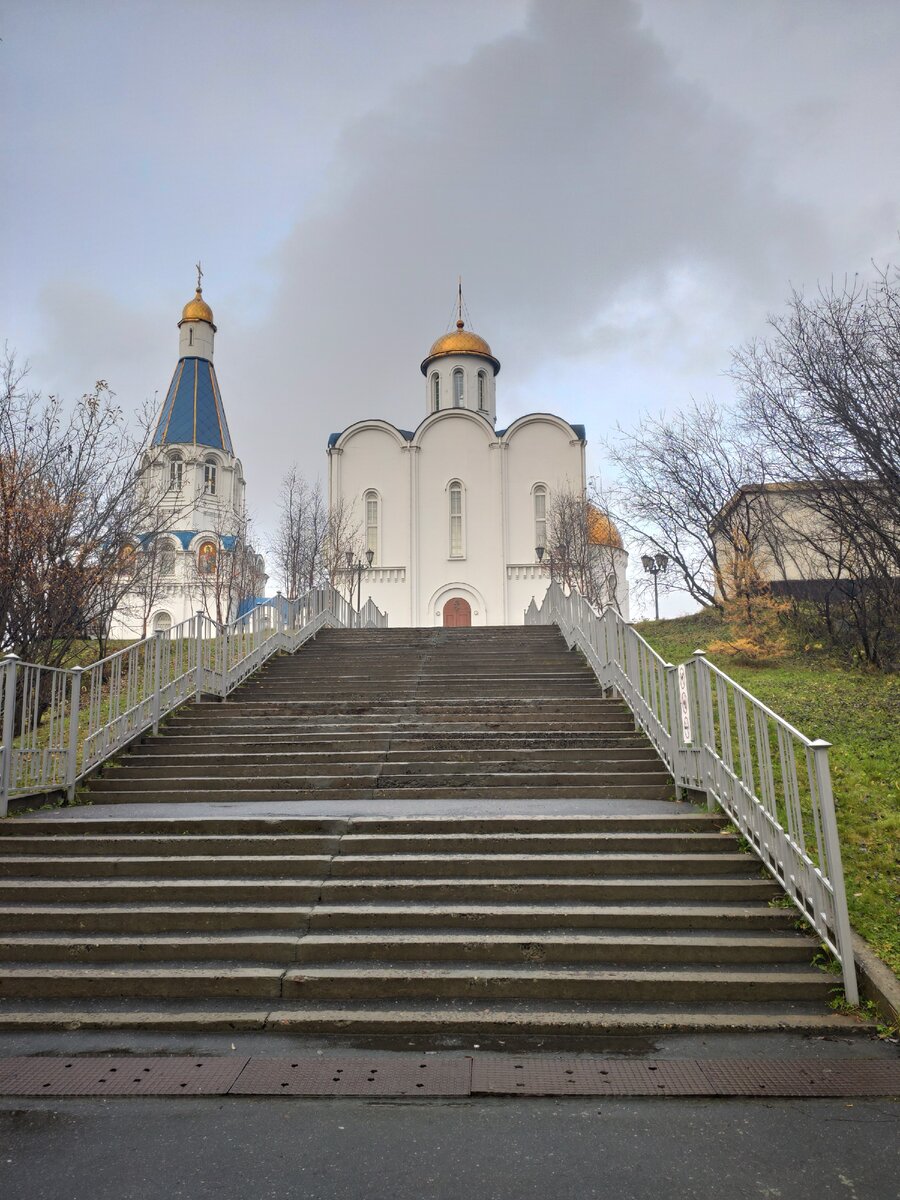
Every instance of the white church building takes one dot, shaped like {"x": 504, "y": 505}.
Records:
{"x": 453, "y": 512}
{"x": 192, "y": 555}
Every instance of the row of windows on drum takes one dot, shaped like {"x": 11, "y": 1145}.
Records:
{"x": 458, "y": 390}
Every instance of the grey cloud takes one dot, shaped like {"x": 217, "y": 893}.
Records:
{"x": 555, "y": 169}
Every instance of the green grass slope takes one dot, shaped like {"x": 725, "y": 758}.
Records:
{"x": 858, "y": 711}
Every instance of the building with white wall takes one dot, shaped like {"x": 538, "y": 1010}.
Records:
{"x": 453, "y": 511}
{"x": 192, "y": 555}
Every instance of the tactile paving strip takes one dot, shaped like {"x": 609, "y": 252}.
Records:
{"x": 119, "y": 1076}
{"x": 402, "y": 1075}
{"x": 546, "y": 1076}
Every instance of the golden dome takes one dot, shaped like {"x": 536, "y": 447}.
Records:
{"x": 197, "y": 309}
{"x": 460, "y": 341}
{"x": 601, "y": 530}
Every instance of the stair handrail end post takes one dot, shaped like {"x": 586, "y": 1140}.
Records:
{"x": 835, "y": 868}
{"x": 10, "y": 665}
{"x": 74, "y": 731}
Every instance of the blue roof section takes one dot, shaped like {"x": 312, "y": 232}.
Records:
{"x": 185, "y": 537}
{"x": 192, "y": 412}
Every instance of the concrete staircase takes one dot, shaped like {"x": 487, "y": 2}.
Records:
{"x": 398, "y": 831}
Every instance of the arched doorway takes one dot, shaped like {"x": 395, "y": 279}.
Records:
{"x": 457, "y": 613}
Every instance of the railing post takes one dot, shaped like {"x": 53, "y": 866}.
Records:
{"x": 157, "y": 678}
{"x": 10, "y": 663}
{"x": 222, "y": 639}
{"x": 835, "y": 869}
{"x": 707, "y": 723}
{"x": 198, "y": 644}
{"x": 74, "y": 717}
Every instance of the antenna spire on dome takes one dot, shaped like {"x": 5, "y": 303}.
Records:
{"x": 460, "y": 323}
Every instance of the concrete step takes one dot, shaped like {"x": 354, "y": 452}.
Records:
{"x": 476, "y": 1019}
{"x": 521, "y": 866}
{"x": 181, "y": 866}
{"x": 572, "y": 984}
{"x": 171, "y": 981}
{"x": 472, "y": 919}
{"x": 548, "y": 889}
{"x": 559, "y": 946}
{"x": 410, "y": 791}
{"x": 138, "y": 917}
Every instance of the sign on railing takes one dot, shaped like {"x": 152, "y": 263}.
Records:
{"x": 714, "y": 736}
{"x": 57, "y": 725}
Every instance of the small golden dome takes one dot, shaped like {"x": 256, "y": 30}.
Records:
{"x": 460, "y": 341}
{"x": 197, "y": 309}
{"x": 601, "y": 530}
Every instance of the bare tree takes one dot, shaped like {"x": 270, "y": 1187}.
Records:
{"x": 823, "y": 391}
{"x": 582, "y": 546}
{"x": 677, "y": 474}
{"x": 311, "y": 542}
{"x": 227, "y": 571}
{"x": 69, "y": 502}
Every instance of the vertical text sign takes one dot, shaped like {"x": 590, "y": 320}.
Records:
{"x": 684, "y": 704}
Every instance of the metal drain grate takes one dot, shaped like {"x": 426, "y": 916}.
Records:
{"x": 118, "y": 1076}
{"x": 545, "y": 1076}
{"x": 401, "y": 1075}
{"x": 540, "y": 1076}
{"x": 434, "y": 1075}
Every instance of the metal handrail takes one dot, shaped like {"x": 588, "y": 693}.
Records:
{"x": 58, "y": 724}
{"x": 714, "y": 736}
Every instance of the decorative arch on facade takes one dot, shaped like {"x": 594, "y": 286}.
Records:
{"x": 543, "y": 419}
{"x": 479, "y": 420}
{"x": 465, "y": 591}
{"x": 162, "y": 622}
{"x": 361, "y": 426}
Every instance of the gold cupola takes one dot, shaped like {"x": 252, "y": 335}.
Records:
{"x": 460, "y": 341}
{"x": 197, "y": 310}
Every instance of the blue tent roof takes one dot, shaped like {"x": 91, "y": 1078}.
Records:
{"x": 192, "y": 411}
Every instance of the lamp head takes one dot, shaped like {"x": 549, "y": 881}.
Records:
{"x": 647, "y": 560}
{"x": 539, "y": 551}
{"x": 662, "y": 561}
{"x": 370, "y": 554}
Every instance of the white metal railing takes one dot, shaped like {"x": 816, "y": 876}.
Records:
{"x": 714, "y": 736}
{"x": 58, "y": 724}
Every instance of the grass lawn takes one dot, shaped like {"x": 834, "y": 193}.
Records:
{"x": 859, "y": 712}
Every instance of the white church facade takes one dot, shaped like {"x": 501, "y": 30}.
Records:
{"x": 192, "y": 556}
{"x": 455, "y": 514}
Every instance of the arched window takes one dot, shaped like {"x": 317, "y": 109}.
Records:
{"x": 371, "y": 502}
{"x": 435, "y": 391}
{"x": 482, "y": 391}
{"x": 176, "y": 473}
{"x": 459, "y": 389}
{"x": 162, "y": 622}
{"x": 457, "y": 549}
{"x": 206, "y": 558}
{"x": 210, "y": 471}
{"x": 166, "y": 552}
{"x": 540, "y": 515}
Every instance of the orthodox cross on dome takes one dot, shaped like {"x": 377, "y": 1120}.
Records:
{"x": 199, "y": 275}
{"x": 459, "y": 304}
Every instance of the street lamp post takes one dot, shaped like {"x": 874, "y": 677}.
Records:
{"x": 359, "y": 567}
{"x": 654, "y": 565}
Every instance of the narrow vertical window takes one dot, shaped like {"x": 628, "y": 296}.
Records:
{"x": 191, "y": 336}
{"x": 458, "y": 389}
{"x": 176, "y": 471}
{"x": 540, "y": 515}
{"x": 456, "y": 521}
{"x": 209, "y": 477}
{"x": 435, "y": 391}
{"x": 482, "y": 381}
{"x": 372, "y": 522}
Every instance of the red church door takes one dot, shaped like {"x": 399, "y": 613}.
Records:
{"x": 457, "y": 612}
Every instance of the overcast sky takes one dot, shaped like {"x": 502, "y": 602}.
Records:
{"x": 626, "y": 186}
